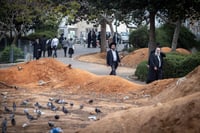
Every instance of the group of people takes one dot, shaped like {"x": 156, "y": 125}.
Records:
{"x": 40, "y": 46}
{"x": 155, "y": 62}
{"x": 94, "y": 38}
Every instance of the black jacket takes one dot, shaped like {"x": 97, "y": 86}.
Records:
{"x": 154, "y": 62}
{"x": 110, "y": 57}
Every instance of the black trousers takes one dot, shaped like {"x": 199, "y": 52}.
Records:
{"x": 65, "y": 51}
{"x": 114, "y": 66}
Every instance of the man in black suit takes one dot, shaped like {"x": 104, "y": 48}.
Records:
{"x": 113, "y": 58}
{"x": 155, "y": 65}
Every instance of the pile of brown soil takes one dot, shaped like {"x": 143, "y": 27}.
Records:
{"x": 54, "y": 74}
{"x": 174, "y": 109}
{"x": 99, "y": 58}
{"x": 130, "y": 60}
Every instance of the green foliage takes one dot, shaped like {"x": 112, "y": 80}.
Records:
{"x": 189, "y": 63}
{"x": 164, "y": 35}
{"x": 48, "y": 34}
{"x": 175, "y": 65}
{"x": 186, "y": 39}
{"x": 172, "y": 62}
{"x": 141, "y": 71}
{"x": 139, "y": 38}
{"x": 5, "y": 55}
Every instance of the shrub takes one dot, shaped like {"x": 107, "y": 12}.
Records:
{"x": 172, "y": 62}
{"x": 189, "y": 63}
{"x": 139, "y": 38}
{"x": 142, "y": 71}
{"x": 5, "y": 55}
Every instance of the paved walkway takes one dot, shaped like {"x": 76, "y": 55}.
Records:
{"x": 98, "y": 69}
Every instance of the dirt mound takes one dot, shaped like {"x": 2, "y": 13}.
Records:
{"x": 99, "y": 58}
{"x": 135, "y": 57}
{"x": 183, "y": 51}
{"x": 167, "y": 113}
{"x": 50, "y": 73}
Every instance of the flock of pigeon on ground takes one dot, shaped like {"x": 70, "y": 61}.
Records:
{"x": 51, "y": 105}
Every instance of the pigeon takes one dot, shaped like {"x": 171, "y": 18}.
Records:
{"x": 60, "y": 101}
{"x": 38, "y": 112}
{"x": 51, "y": 99}
{"x": 51, "y": 124}
{"x": 25, "y": 125}
{"x": 14, "y": 106}
{"x": 81, "y": 106}
{"x": 7, "y": 110}
{"x": 4, "y": 125}
{"x": 56, "y": 117}
{"x": 54, "y": 108}
{"x": 26, "y": 111}
{"x": 38, "y": 105}
{"x": 25, "y": 102}
{"x": 12, "y": 116}
{"x": 90, "y": 101}
{"x": 65, "y": 110}
{"x": 49, "y": 104}
{"x": 13, "y": 122}
{"x": 97, "y": 110}
{"x": 30, "y": 117}
{"x": 71, "y": 104}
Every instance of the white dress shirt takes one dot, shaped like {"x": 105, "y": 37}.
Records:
{"x": 114, "y": 55}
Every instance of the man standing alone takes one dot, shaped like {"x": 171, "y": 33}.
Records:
{"x": 155, "y": 65}
{"x": 54, "y": 45}
{"x": 113, "y": 58}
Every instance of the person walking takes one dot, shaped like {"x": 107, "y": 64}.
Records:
{"x": 65, "y": 44}
{"x": 36, "y": 49}
{"x": 94, "y": 39}
{"x": 71, "y": 47}
{"x": 112, "y": 58}
{"x": 89, "y": 39}
{"x": 155, "y": 65}
{"x": 54, "y": 45}
{"x": 49, "y": 48}
{"x": 43, "y": 45}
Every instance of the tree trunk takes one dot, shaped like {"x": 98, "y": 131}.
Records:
{"x": 14, "y": 42}
{"x": 111, "y": 28}
{"x": 15, "y": 37}
{"x": 152, "y": 37}
{"x": 176, "y": 35}
{"x": 103, "y": 36}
